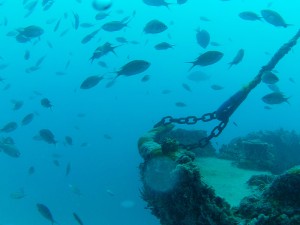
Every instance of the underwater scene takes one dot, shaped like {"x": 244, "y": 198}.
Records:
{"x": 171, "y": 112}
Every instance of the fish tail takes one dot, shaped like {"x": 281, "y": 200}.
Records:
{"x": 287, "y": 100}
{"x": 230, "y": 65}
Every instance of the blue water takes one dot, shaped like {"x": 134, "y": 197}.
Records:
{"x": 130, "y": 107}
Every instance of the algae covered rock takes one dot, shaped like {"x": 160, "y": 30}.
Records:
{"x": 275, "y": 151}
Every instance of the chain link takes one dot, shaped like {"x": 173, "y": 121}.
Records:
{"x": 190, "y": 120}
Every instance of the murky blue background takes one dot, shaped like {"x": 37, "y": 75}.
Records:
{"x": 130, "y": 107}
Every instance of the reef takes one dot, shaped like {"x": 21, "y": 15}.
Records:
{"x": 176, "y": 193}
{"x": 275, "y": 151}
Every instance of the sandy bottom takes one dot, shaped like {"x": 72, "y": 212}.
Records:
{"x": 228, "y": 181}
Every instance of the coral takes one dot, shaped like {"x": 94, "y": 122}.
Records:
{"x": 176, "y": 194}
{"x": 190, "y": 202}
{"x": 275, "y": 151}
{"x": 188, "y": 137}
{"x": 169, "y": 145}
{"x": 294, "y": 170}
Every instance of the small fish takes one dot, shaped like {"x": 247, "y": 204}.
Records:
{"x": 180, "y": 2}
{"x": 207, "y": 58}
{"x": 180, "y": 104}
{"x": 155, "y": 27}
{"x": 76, "y": 20}
{"x": 110, "y": 83}
{"x": 9, "y": 127}
{"x": 198, "y": 76}
{"x": 45, "y": 212}
{"x": 101, "y": 15}
{"x": 274, "y": 87}
{"x": 145, "y": 78}
{"x": 46, "y": 4}
{"x": 31, "y": 170}
{"x": 84, "y": 144}
{"x": 165, "y": 91}
{"x": 187, "y": 87}
{"x": 273, "y": 18}
{"x": 69, "y": 140}
{"x": 56, "y": 162}
{"x": 247, "y": 15}
{"x": 238, "y": 58}
{"x": 9, "y": 149}
{"x": 267, "y": 107}
{"x": 89, "y": 37}
{"x": 121, "y": 40}
{"x": 214, "y": 43}
{"x": 102, "y": 64}
{"x": 133, "y": 67}
{"x": 216, "y": 87}
{"x": 47, "y": 136}
{"x": 292, "y": 80}
{"x": 107, "y": 136}
{"x": 64, "y": 32}
{"x": 27, "y": 55}
{"x": 27, "y": 119}
{"x": 202, "y": 37}
{"x": 163, "y": 46}
{"x": 57, "y": 25}
{"x": 60, "y": 73}
{"x": 19, "y": 194}
{"x": 90, "y": 82}
{"x": 275, "y": 98}
{"x": 204, "y": 18}
{"x": 75, "y": 190}
{"x": 39, "y": 61}
{"x": 68, "y": 169}
{"x": 87, "y": 25}
{"x": 17, "y": 104}
{"x": 113, "y": 26}
{"x": 45, "y": 102}
{"x": 156, "y": 3}
{"x": 77, "y": 218}
{"x": 108, "y": 191}
{"x": 269, "y": 77}
{"x": 103, "y": 50}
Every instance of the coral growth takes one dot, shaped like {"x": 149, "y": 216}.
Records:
{"x": 275, "y": 151}
{"x": 176, "y": 194}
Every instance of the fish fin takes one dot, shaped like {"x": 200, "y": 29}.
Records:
{"x": 230, "y": 65}
{"x": 287, "y": 100}
{"x": 191, "y": 66}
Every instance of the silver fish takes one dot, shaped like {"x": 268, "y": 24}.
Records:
{"x": 89, "y": 37}
{"x": 155, "y": 27}
{"x": 133, "y": 67}
{"x": 47, "y": 136}
{"x": 269, "y": 77}
{"x": 247, "y": 15}
{"x": 207, "y": 58}
{"x": 275, "y": 98}
{"x": 156, "y": 3}
{"x": 45, "y": 212}
{"x": 113, "y": 26}
{"x": 90, "y": 82}
{"x": 27, "y": 119}
{"x": 203, "y": 38}
{"x": 238, "y": 58}
{"x": 9, "y": 127}
{"x": 163, "y": 46}
{"x": 273, "y": 18}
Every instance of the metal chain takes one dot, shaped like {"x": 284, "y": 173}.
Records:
{"x": 190, "y": 120}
